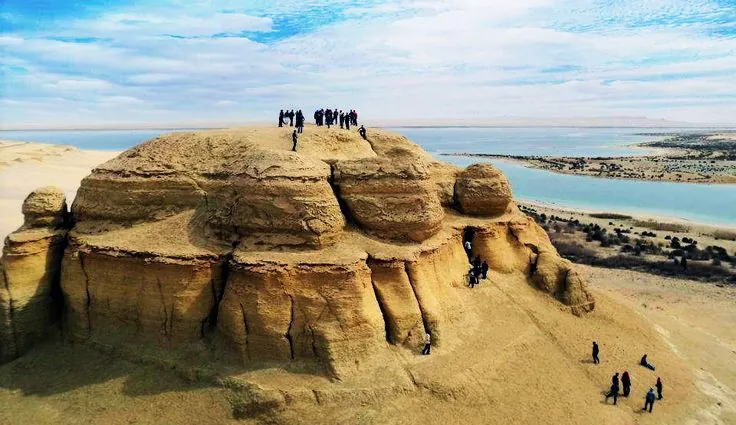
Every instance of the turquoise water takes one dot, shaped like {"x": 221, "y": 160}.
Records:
{"x": 715, "y": 204}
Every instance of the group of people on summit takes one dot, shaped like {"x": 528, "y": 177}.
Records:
{"x": 321, "y": 117}
{"x": 626, "y": 382}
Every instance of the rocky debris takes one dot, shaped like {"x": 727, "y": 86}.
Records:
{"x": 30, "y": 265}
{"x": 482, "y": 189}
{"x": 227, "y": 239}
{"x": 45, "y": 207}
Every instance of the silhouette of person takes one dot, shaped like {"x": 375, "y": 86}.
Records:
{"x": 659, "y": 388}
{"x": 342, "y": 119}
{"x": 361, "y": 130}
{"x": 644, "y": 362}
{"x": 328, "y": 117}
{"x": 649, "y": 400}
{"x": 468, "y": 250}
{"x": 476, "y": 264}
{"x": 472, "y": 278}
{"x": 595, "y": 353}
{"x": 427, "y": 344}
{"x": 281, "y": 118}
{"x": 347, "y": 122}
{"x": 291, "y": 118}
{"x": 355, "y": 117}
{"x": 613, "y": 393}
{"x": 294, "y": 138}
{"x": 484, "y": 270}
{"x": 614, "y": 379}
{"x": 316, "y": 118}
{"x": 335, "y": 116}
{"x": 299, "y": 121}
{"x": 626, "y": 381}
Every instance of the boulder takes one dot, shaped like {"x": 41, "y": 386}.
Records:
{"x": 44, "y": 207}
{"x": 481, "y": 189}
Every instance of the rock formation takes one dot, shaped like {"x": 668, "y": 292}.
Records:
{"x": 326, "y": 256}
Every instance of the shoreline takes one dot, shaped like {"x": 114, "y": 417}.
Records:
{"x": 700, "y": 158}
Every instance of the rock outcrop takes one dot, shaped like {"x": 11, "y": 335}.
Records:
{"x": 481, "y": 189}
{"x": 30, "y": 265}
{"x": 327, "y": 256}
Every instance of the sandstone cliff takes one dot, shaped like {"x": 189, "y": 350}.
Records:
{"x": 329, "y": 256}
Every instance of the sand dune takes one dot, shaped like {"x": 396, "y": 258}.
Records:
{"x": 25, "y": 166}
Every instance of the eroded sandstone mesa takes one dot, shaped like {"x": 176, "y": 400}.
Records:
{"x": 327, "y": 256}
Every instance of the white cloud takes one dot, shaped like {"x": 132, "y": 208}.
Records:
{"x": 438, "y": 58}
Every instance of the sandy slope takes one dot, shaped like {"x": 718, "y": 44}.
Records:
{"x": 518, "y": 358}
{"x": 26, "y": 166}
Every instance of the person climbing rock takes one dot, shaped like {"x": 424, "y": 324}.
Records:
{"x": 649, "y": 400}
{"x": 626, "y": 381}
{"x": 294, "y": 138}
{"x": 613, "y": 393}
{"x": 595, "y": 353}
{"x": 361, "y": 131}
{"x": 644, "y": 362}
{"x": 484, "y": 270}
{"x": 469, "y": 250}
{"x": 427, "y": 344}
{"x": 659, "y": 388}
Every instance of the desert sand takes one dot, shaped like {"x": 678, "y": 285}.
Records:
{"x": 25, "y": 166}
{"x": 158, "y": 233}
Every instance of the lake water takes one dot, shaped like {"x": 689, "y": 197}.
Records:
{"x": 715, "y": 204}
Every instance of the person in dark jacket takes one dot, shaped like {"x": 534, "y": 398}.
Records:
{"x": 659, "y": 388}
{"x": 328, "y": 117}
{"x": 613, "y": 393}
{"x": 626, "y": 381}
{"x": 281, "y": 118}
{"x": 614, "y": 379}
{"x": 649, "y": 400}
{"x": 484, "y": 270}
{"x": 335, "y": 116}
{"x": 300, "y": 121}
{"x": 595, "y": 353}
{"x": 294, "y": 138}
{"x": 361, "y": 131}
{"x": 472, "y": 278}
{"x": 644, "y": 362}
{"x": 476, "y": 265}
{"x": 342, "y": 119}
{"x": 347, "y": 122}
{"x": 291, "y": 118}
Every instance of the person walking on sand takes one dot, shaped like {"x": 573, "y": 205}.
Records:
{"x": 626, "y": 381}
{"x": 659, "y": 388}
{"x": 649, "y": 400}
{"x": 613, "y": 393}
{"x": 644, "y": 362}
{"x": 427, "y": 344}
{"x": 595, "y": 353}
{"x": 281, "y": 118}
{"x": 614, "y": 379}
{"x": 294, "y": 138}
{"x": 361, "y": 131}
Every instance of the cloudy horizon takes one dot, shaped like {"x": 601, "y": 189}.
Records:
{"x": 124, "y": 62}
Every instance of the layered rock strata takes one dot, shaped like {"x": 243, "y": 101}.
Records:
{"x": 327, "y": 256}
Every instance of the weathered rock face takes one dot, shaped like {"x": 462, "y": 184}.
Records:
{"x": 391, "y": 199}
{"x": 326, "y": 256}
{"x": 481, "y": 189}
{"x": 30, "y": 267}
{"x": 45, "y": 207}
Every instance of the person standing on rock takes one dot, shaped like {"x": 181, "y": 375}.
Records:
{"x": 484, "y": 270}
{"x": 361, "y": 131}
{"x": 595, "y": 353}
{"x": 626, "y": 382}
{"x": 649, "y": 400}
{"x": 427, "y": 344}
{"x": 294, "y": 138}
{"x": 659, "y": 388}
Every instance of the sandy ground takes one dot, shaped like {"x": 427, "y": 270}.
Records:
{"x": 696, "y": 319}
{"x": 26, "y": 166}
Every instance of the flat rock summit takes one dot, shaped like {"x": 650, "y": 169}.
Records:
{"x": 227, "y": 249}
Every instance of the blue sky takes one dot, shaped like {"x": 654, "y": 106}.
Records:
{"x": 137, "y": 61}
